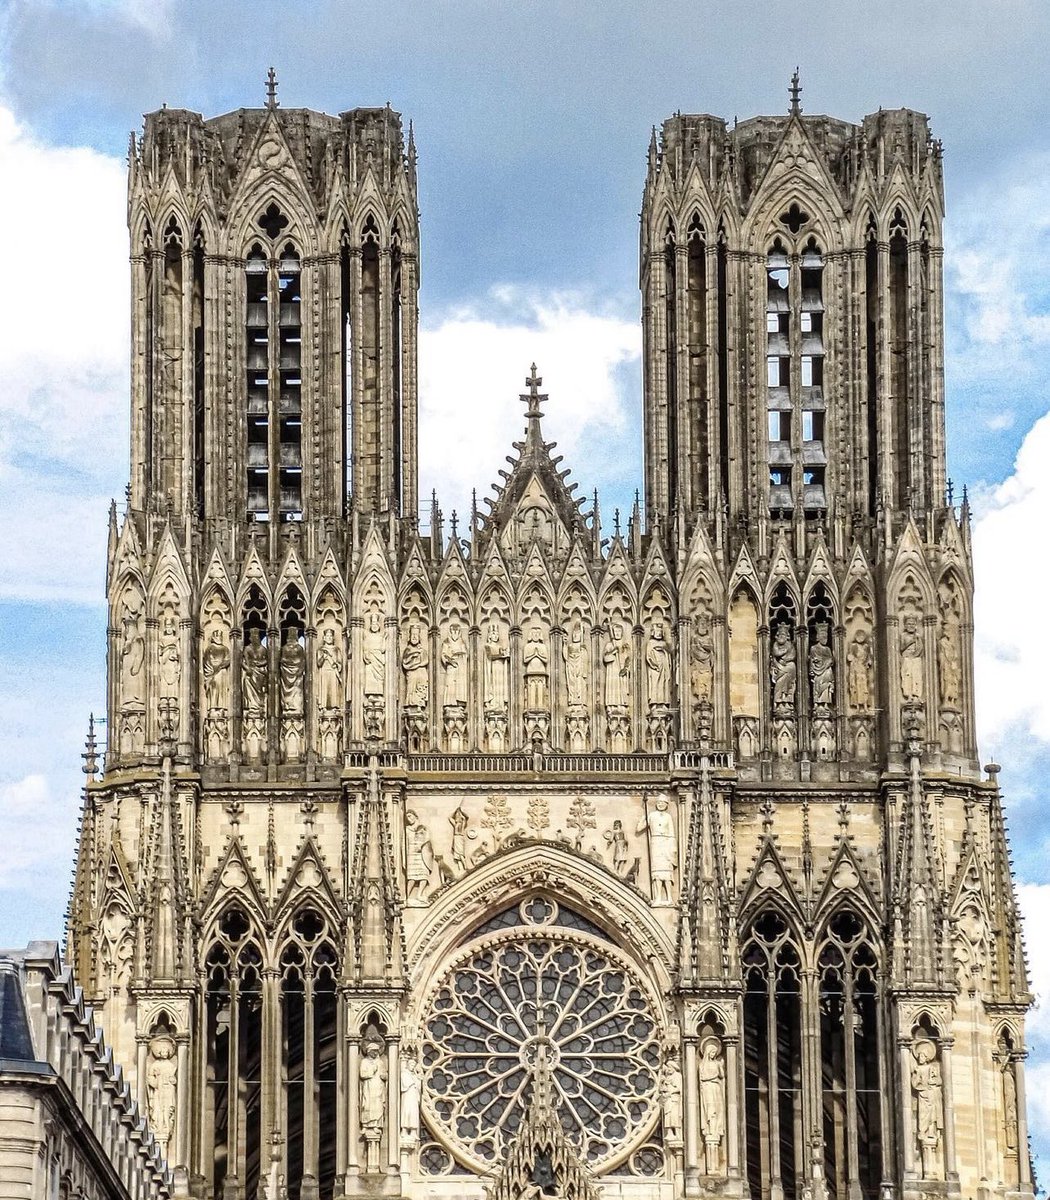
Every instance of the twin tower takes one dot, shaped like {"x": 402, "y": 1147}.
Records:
{"x": 532, "y": 862}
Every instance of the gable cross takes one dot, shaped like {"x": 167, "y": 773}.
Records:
{"x": 271, "y": 88}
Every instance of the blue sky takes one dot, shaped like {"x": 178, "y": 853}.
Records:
{"x": 532, "y": 120}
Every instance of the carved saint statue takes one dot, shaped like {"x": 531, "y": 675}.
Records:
{"x": 170, "y": 659}
{"x": 536, "y": 658}
{"x": 454, "y": 661}
{"x": 913, "y": 687}
{"x": 619, "y": 848}
{"x": 132, "y": 650}
{"x": 373, "y": 655}
{"x": 254, "y": 672}
{"x": 415, "y": 663}
{"x": 702, "y": 660}
{"x": 460, "y": 823}
{"x": 663, "y": 849}
{"x": 372, "y": 1072}
{"x": 711, "y": 1074}
{"x": 1009, "y": 1075}
{"x": 783, "y": 667}
{"x": 577, "y": 655}
{"x": 858, "y": 672}
{"x": 671, "y": 1098}
{"x": 497, "y": 668}
{"x": 821, "y": 667}
{"x": 658, "y": 665}
{"x": 951, "y": 671}
{"x": 329, "y": 672}
{"x": 160, "y": 1089}
{"x": 215, "y": 670}
{"x": 410, "y": 1089}
{"x": 292, "y": 668}
{"x": 927, "y": 1085}
{"x": 419, "y": 857}
{"x": 616, "y": 658}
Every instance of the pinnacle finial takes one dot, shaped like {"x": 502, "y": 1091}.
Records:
{"x": 271, "y": 88}
{"x": 795, "y": 92}
{"x": 532, "y": 399}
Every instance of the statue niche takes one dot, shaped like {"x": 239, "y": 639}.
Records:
{"x": 131, "y": 651}
{"x": 329, "y": 677}
{"x": 453, "y": 657}
{"x": 215, "y": 677}
{"x": 292, "y": 675}
{"x": 616, "y": 681}
{"x": 415, "y": 671}
{"x": 576, "y": 663}
{"x": 255, "y": 678}
{"x": 495, "y": 673}
{"x": 169, "y": 668}
{"x": 659, "y": 671}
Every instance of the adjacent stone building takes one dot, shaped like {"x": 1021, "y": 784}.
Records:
{"x": 532, "y": 858}
{"x": 70, "y": 1128}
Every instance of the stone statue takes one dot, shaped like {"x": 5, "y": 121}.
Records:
{"x": 536, "y": 659}
{"x": 170, "y": 658}
{"x": 497, "y": 668}
{"x": 161, "y": 1074}
{"x": 1009, "y": 1076}
{"x": 460, "y": 823}
{"x": 373, "y": 655}
{"x": 929, "y": 1107}
{"x": 372, "y": 1072}
{"x": 617, "y": 660}
{"x": 415, "y": 663}
{"x": 663, "y": 849}
{"x": 330, "y": 693}
{"x": 292, "y": 669}
{"x": 419, "y": 857}
{"x": 913, "y": 687}
{"x": 453, "y": 659}
{"x": 410, "y": 1088}
{"x": 671, "y": 1099}
{"x": 132, "y": 650}
{"x": 702, "y": 660}
{"x": 215, "y": 670}
{"x": 254, "y": 674}
{"x": 658, "y": 665}
{"x": 858, "y": 672}
{"x": 577, "y": 656}
{"x": 619, "y": 849}
{"x": 951, "y": 670}
{"x": 783, "y": 667}
{"x": 711, "y": 1075}
{"x": 821, "y": 667}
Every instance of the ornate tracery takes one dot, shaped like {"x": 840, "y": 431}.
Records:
{"x": 540, "y": 976}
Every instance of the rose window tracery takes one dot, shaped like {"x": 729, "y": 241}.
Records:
{"x": 540, "y": 977}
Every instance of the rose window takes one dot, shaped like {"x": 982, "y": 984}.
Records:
{"x": 536, "y": 983}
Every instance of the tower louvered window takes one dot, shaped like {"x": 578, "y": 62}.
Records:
{"x": 795, "y": 379}
{"x": 273, "y": 363}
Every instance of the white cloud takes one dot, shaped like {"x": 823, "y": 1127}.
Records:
{"x": 1012, "y": 650}
{"x": 473, "y": 365}
{"x": 28, "y": 809}
{"x": 64, "y": 362}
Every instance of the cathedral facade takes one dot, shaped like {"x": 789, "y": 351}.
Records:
{"x": 529, "y": 861}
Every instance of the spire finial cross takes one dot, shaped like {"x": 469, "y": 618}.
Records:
{"x": 271, "y": 88}
{"x": 795, "y": 92}
{"x": 533, "y": 398}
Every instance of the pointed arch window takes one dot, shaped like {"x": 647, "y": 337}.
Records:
{"x": 273, "y": 365}
{"x": 308, "y": 999}
{"x": 851, "y": 1116}
{"x": 795, "y": 378}
{"x": 234, "y": 1049}
{"x": 772, "y": 972}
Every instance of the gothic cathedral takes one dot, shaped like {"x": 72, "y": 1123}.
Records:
{"x": 534, "y": 862}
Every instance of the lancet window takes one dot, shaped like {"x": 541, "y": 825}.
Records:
{"x": 308, "y": 998}
{"x": 273, "y": 366}
{"x": 837, "y": 1104}
{"x": 234, "y": 1048}
{"x": 795, "y": 397}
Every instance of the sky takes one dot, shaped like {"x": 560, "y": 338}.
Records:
{"x": 532, "y": 119}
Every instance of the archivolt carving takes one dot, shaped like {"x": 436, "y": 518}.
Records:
{"x": 586, "y": 885}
